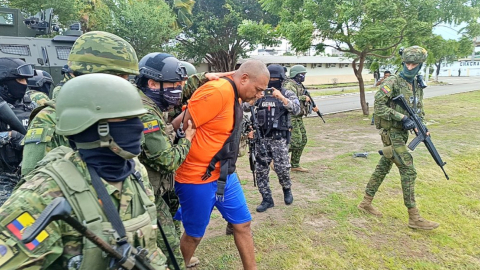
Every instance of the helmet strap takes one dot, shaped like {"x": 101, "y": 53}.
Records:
{"x": 105, "y": 141}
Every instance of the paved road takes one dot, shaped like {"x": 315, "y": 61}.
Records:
{"x": 349, "y": 102}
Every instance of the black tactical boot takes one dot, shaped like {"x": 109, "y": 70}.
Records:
{"x": 287, "y": 196}
{"x": 266, "y": 203}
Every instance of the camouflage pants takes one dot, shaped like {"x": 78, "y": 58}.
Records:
{"x": 173, "y": 203}
{"x": 166, "y": 220}
{"x": 298, "y": 141}
{"x": 402, "y": 159}
{"x": 277, "y": 150}
{"x": 8, "y": 181}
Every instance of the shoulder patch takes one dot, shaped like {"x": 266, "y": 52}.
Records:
{"x": 18, "y": 225}
{"x": 34, "y": 135}
{"x": 6, "y": 252}
{"x": 150, "y": 126}
{"x": 386, "y": 89}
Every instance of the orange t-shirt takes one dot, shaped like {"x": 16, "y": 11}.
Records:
{"x": 212, "y": 110}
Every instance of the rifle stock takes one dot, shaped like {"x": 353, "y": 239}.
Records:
{"x": 421, "y": 133}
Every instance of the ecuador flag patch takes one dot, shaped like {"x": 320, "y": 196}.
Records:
{"x": 386, "y": 89}
{"x": 150, "y": 126}
{"x": 18, "y": 225}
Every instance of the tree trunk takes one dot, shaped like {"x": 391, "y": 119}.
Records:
{"x": 361, "y": 84}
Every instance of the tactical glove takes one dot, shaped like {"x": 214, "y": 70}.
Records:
{"x": 408, "y": 123}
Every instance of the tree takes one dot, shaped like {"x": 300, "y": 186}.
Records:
{"x": 446, "y": 51}
{"x": 364, "y": 28}
{"x": 223, "y": 30}
{"x": 183, "y": 10}
{"x": 145, "y": 24}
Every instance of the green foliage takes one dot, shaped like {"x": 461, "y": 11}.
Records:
{"x": 145, "y": 24}
{"x": 224, "y": 30}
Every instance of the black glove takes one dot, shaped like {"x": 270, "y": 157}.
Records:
{"x": 408, "y": 123}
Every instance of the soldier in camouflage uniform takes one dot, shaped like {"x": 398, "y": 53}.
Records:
{"x": 394, "y": 125}
{"x": 273, "y": 116}
{"x": 160, "y": 85}
{"x": 85, "y": 104}
{"x": 93, "y": 52}
{"x": 299, "y": 134}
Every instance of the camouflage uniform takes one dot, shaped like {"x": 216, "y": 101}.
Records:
{"x": 388, "y": 118}
{"x": 299, "y": 134}
{"x": 42, "y": 138}
{"x": 193, "y": 83}
{"x": 63, "y": 246}
{"x": 38, "y": 97}
{"x": 394, "y": 123}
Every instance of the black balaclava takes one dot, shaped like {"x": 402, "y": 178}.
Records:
{"x": 14, "y": 91}
{"x": 275, "y": 84}
{"x": 111, "y": 167}
{"x": 300, "y": 78}
{"x": 164, "y": 97}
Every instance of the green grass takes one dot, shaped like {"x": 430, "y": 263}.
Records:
{"x": 323, "y": 229}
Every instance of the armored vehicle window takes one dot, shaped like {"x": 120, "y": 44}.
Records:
{"x": 15, "y": 49}
{"x": 6, "y": 18}
{"x": 63, "y": 52}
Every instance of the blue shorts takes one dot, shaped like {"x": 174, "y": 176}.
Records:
{"x": 197, "y": 202}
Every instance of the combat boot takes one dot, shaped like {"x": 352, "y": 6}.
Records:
{"x": 229, "y": 229}
{"x": 265, "y": 204}
{"x": 415, "y": 221}
{"x": 367, "y": 207}
{"x": 287, "y": 196}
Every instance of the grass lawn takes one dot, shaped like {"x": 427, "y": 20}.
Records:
{"x": 323, "y": 229}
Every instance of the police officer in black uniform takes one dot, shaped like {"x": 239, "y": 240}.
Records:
{"x": 41, "y": 82}
{"x": 273, "y": 117}
{"x": 15, "y": 108}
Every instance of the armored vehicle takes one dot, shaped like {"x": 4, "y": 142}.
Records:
{"x": 18, "y": 39}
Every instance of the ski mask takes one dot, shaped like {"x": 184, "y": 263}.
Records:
{"x": 409, "y": 75}
{"x": 300, "y": 78}
{"x": 110, "y": 166}
{"x": 165, "y": 97}
{"x": 16, "y": 90}
{"x": 275, "y": 84}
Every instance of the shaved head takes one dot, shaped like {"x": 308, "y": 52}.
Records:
{"x": 251, "y": 79}
{"x": 254, "y": 69}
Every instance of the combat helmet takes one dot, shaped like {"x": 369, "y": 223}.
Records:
{"x": 297, "y": 69}
{"x": 102, "y": 52}
{"x": 160, "y": 67}
{"x": 189, "y": 67}
{"x": 87, "y": 99}
{"x": 41, "y": 82}
{"x": 276, "y": 71}
{"x": 414, "y": 54}
{"x": 13, "y": 68}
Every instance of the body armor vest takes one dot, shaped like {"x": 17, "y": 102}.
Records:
{"x": 140, "y": 228}
{"x": 10, "y": 157}
{"x": 273, "y": 118}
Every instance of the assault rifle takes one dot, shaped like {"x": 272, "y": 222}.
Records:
{"x": 306, "y": 93}
{"x": 252, "y": 151}
{"x": 421, "y": 132}
{"x": 8, "y": 117}
{"x": 60, "y": 209}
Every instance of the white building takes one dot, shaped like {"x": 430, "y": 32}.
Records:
{"x": 320, "y": 70}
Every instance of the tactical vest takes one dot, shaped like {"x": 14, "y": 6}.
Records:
{"x": 161, "y": 182}
{"x": 11, "y": 157}
{"x": 141, "y": 229}
{"x": 273, "y": 118}
{"x": 414, "y": 101}
{"x": 228, "y": 154}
